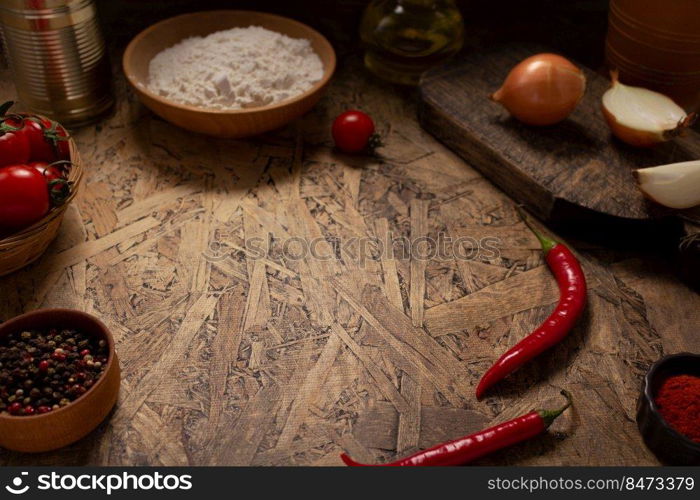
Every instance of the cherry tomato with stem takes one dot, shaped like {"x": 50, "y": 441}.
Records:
{"x": 353, "y": 132}
{"x": 55, "y": 175}
{"x": 24, "y": 197}
{"x": 50, "y": 171}
{"x": 14, "y": 145}
{"x": 40, "y": 147}
{"x": 14, "y": 148}
{"x": 47, "y": 140}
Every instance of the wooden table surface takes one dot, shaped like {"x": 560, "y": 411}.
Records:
{"x": 236, "y": 353}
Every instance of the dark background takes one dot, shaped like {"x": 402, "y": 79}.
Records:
{"x": 573, "y": 27}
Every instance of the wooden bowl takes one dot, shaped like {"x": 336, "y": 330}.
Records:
{"x": 66, "y": 425}
{"x": 24, "y": 247}
{"x": 234, "y": 123}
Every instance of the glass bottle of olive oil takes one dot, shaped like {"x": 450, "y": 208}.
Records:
{"x": 403, "y": 38}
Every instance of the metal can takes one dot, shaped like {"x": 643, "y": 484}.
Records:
{"x": 57, "y": 55}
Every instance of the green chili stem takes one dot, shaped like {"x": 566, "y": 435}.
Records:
{"x": 550, "y": 416}
{"x": 547, "y": 243}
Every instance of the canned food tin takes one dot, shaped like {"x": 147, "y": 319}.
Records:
{"x": 57, "y": 55}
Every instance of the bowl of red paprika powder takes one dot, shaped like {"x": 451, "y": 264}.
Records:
{"x": 668, "y": 412}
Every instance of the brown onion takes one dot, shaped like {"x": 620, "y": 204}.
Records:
{"x": 542, "y": 90}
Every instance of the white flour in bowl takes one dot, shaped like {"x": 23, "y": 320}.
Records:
{"x": 235, "y": 68}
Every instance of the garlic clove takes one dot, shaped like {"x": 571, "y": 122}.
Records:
{"x": 676, "y": 185}
{"x": 641, "y": 117}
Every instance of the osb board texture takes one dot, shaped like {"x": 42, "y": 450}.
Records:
{"x": 230, "y": 359}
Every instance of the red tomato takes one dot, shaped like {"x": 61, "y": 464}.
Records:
{"x": 353, "y": 131}
{"x": 40, "y": 146}
{"x": 56, "y": 180}
{"x": 24, "y": 197}
{"x": 44, "y": 137}
{"x": 50, "y": 172}
{"x": 55, "y": 136}
{"x": 14, "y": 148}
{"x": 62, "y": 144}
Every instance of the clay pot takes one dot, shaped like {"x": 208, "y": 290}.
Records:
{"x": 656, "y": 44}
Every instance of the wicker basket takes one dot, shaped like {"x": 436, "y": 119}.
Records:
{"x": 20, "y": 249}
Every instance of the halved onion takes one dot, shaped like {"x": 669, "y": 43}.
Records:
{"x": 676, "y": 185}
{"x": 641, "y": 117}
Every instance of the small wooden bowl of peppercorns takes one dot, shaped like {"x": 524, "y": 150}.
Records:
{"x": 59, "y": 378}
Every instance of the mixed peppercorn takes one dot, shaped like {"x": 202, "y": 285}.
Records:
{"x": 41, "y": 371}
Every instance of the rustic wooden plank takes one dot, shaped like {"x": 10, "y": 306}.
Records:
{"x": 384, "y": 384}
{"x": 419, "y": 231}
{"x": 159, "y": 438}
{"x": 407, "y": 341}
{"x": 225, "y": 349}
{"x": 390, "y": 274}
{"x": 178, "y": 347}
{"x": 238, "y": 445}
{"x": 504, "y": 298}
{"x": 408, "y": 431}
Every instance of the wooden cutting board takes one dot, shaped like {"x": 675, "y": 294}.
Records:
{"x": 572, "y": 171}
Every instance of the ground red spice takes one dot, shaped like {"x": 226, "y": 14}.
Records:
{"x": 678, "y": 400}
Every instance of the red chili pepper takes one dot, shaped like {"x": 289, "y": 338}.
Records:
{"x": 469, "y": 448}
{"x": 572, "y": 300}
